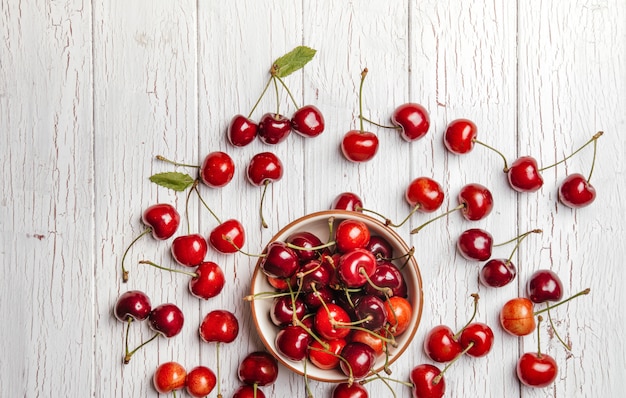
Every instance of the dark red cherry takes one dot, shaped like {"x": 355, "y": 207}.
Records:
{"x": 313, "y": 275}
{"x": 163, "y": 219}
{"x": 358, "y": 360}
{"x": 380, "y": 247}
{"x": 347, "y": 201}
{"x": 475, "y": 244}
{"x": 477, "y": 201}
{"x": 264, "y": 167}
{"x": 166, "y": 319}
{"x": 258, "y": 368}
{"x": 308, "y": 121}
{"x": 497, "y": 272}
{"x": 280, "y": 261}
{"x": 524, "y": 176}
{"x": 315, "y": 299}
{"x": 371, "y": 311}
{"x": 293, "y": 342}
{"x": 274, "y": 128}
{"x": 576, "y": 191}
{"x": 387, "y": 280}
{"x": 217, "y": 169}
{"x": 349, "y": 390}
{"x": 425, "y": 193}
{"x": 460, "y": 135}
{"x": 248, "y": 391}
{"x": 241, "y": 130}
{"x": 359, "y": 146}
{"x": 282, "y": 310}
{"x": 544, "y": 285}
{"x": 133, "y": 304}
{"x": 304, "y": 240}
{"x": 413, "y": 119}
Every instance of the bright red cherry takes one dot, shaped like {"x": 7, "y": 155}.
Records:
{"x": 280, "y": 261}
{"x": 576, "y": 191}
{"x": 351, "y": 234}
{"x": 358, "y": 360}
{"x": 189, "y": 250}
{"x": 349, "y": 390}
{"x": 326, "y": 357}
{"x": 355, "y": 267}
{"x": 241, "y": 130}
{"x": 228, "y": 237}
{"x": 133, "y": 304}
{"x": 359, "y": 146}
{"x": 208, "y": 282}
{"x": 264, "y": 167}
{"x": 293, "y": 342}
{"x": 274, "y": 128}
{"x": 460, "y": 135}
{"x": 428, "y": 382}
{"x": 475, "y": 244}
{"x": 536, "y": 370}
{"x": 162, "y": 219}
{"x": 217, "y": 169}
{"x": 517, "y": 317}
{"x": 308, "y": 121}
{"x": 219, "y": 326}
{"x": 424, "y": 193}
{"x": 247, "y": 391}
{"x": 283, "y": 308}
{"x": 347, "y": 201}
{"x": 544, "y": 285}
{"x": 413, "y": 119}
{"x": 328, "y": 322}
{"x": 166, "y": 319}
{"x": 477, "y": 201}
{"x": 441, "y": 345}
{"x": 524, "y": 176}
{"x": 168, "y": 377}
{"x": 258, "y": 368}
{"x": 497, "y": 272}
{"x": 200, "y": 382}
{"x": 480, "y": 336}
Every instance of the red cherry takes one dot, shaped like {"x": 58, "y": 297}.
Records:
{"x": 544, "y": 285}
{"x": 358, "y": 359}
{"x": 241, "y": 130}
{"x": 280, "y": 261}
{"x": 425, "y": 193}
{"x": 168, "y": 377}
{"x": 477, "y": 201}
{"x": 441, "y": 345}
{"x": 208, "y": 282}
{"x": 371, "y": 311}
{"x": 359, "y": 146}
{"x": 326, "y": 357}
{"x": 517, "y": 316}
{"x": 228, "y": 237}
{"x": 536, "y": 370}
{"x": 460, "y": 135}
{"x": 524, "y": 175}
{"x": 247, "y": 391}
{"x": 166, "y": 319}
{"x": 305, "y": 240}
{"x": 349, "y": 390}
{"x": 399, "y": 312}
{"x": 576, "y": 191}
{"x": 355, "y": 267}
{"x": 347, "y": 201}
{"x": 375, "y": 341}
{"x": 480, "y": 336}
{"x": 163, "y": 219}
{"x": 425, "y": 384}
{"x": 264, "y": 167}
{"x": 219, "y": 326}
{"x": 200, "y": 381}
{"x": 133, "y": 304}
{"x": 413, "y": 120}
{"x": 274, "y": 128}
{"x": 293, "y": 342}
{"x": 497, "y": 272}
{"x": 327, "y": 322}
{"x": 388, "y": 281}
{"x": 258, "y": 368}
{"x": 282, "y": 310}
{"x": 217, "y": 169}
{"x": 308, "y": 121}
{"x": 380, "y": 247}
{"x": 351, "y": 234}
{"x": 475, "y": 244}
{"x": 189, "y": 250}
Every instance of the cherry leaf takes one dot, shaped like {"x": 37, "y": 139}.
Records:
{"x": 173, "y": 180}
{"x": 293, "y": 61}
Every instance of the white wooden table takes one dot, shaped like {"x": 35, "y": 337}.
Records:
{"x": 91, "y": 91}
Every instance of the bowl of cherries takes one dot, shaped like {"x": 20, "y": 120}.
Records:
{"x": 336, "y": 296}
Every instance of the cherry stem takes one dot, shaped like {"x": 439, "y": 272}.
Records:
{"x": 459, "y": 207}
{"x": 593, "y": 161}
{"x": 288, "y": 91}
{"x": 592, "y": 139}
{"x": 506, "y": 165}
{"x": 277, "y": 96}
{"x": 388, "y": 221}
{"x": 219, "y": 378}
{"x": 131, "y": 353}
{"x": 387, "y": 291}
{"x": 297, "y": 322}
{"x": 363, "y": 74}
{"x": 539, "y": 320}
{"x": 380, "y": 125}
{"x": 126, "y": 351}
{"x": 265, "y": 184}
{"x": 260, "y": 97}
{"x": 314, "y": 248}
{"x": 438, "y": 378}
{"x": 195, "y": 188}
{"x": 264, "y": 295}
{"x": 230, "y": 240}
{"x": 581, "y": 293}
{"x": 163, "y": 158}
{"x": 476, "y": 297}
{"x": 191, "y": 274}
{"x": 519, "y": 240}
{"x": 386, "y": 382}
{"x": 567, "y": 346}
{"x": 379, "y": 377}
{"x": 309, "y": 393}
{"x": 124, "y": 271}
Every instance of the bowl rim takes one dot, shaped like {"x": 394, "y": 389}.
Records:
{"x": 408, "y": 335}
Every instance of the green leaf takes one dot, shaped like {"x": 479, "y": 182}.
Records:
{"x": 173, "y": 180}
{"x": 293, "y": 61}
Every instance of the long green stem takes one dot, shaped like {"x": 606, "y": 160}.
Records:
{"x": 295, "y": 103}
{"x": 593, "y": 139}
{"x": 416, "y": 230}
{"x": 593, "y": 160}
{"x": 438, "y": 378}
{"x": 277, "y": 96}
{"x": 207, "y": 206}
{"x": 265, "y": 185}
{"x": 163, "y": 158}
{"x": 582, "y": 293}
{"x": 506, "y": 165}
{"x": 519, "y": 240}
{"x": 191, "y": 274}
{"x": 556, "y": 333}
{"x": 131, "y": 353}
{"x": 363, "y": 74}
{"x": 476, "y": 297}
{"x": 124, "y": 271}
{"x": 382, "y": 126}
{"x": 258, "y": 101}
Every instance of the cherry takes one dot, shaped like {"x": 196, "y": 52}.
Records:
{"x": 475, "y": 244}
{"x": 263, "y": 169}
{"x": 377, "y": 342}
{"x": 258, "y": 368}
{"x": 517, "y": 317}
{"x": 162, "y": 220}
{"x": 220, "y": 326}
{"x": 274, "y": 128}
{"x": 544, "y": 285}
{"x": 497, "y": 272}
{"x": 241, "y": 130}
{"x": 536, "y": 370}
{"x": 308, "y": 121}
{"x": 330, "y": 321}
{"x": 326, "y": 355}
{"x": 424, "y": 194}
{"x": 200, "y": 381}
{"x": 477, "y": 338}
{"x": 387, "y": 280}
{"x": 359, "y": 145}
{"x": 189, "y": 250}
{"x": 428, "y": 381}
{"x": 460, "y": 135}
{"x": 228, "y": 237}
{"x": 399, "y": 313}
{"x": 355, "y": 267}
{"x": 315, "y": 299}
{"x": 380, "y": 248}
{"x": 208, "y": 281}
{"x": 358, "y": 359}
{"x": 351, "y": 234}
{"x": 412, "y": 119}
{"x": 349, "y": 390}
{"x": 347, "y": 201}
{"x": 575, "y": 191}
{"x": 304, "y": 240}
{"x": 133, "y": 305}
{"x": 282, "y": 310}
{"x": 280, "y": 261}
{"x": 217, "y": 169}
{"x": 247, "y": 391}
{"x": 524, "y": 175}
{"x": 313, "y": 275}
{"x": 441, "y": 345}
{"x": 293, "y": 341}
{"x": 169, "y": 376}
{"x": 166, "y": 319}
{"x": 371, "y": 311}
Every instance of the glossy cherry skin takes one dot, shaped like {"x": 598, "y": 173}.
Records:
{"x": 305, "y": 240}
{"x": 373, "y": 340}
{"x": 576, "y": 192}
{"x": 189, "y": 250}
{"x": 314, "y": 300}
{"x": 280, "y": 261}
{"x": 544, "y": 285}
{"x": 219, "y": 326}
{"x": 460, "y": 135}
{"x": 133, "y": 304}
{"x": 200, "y": 382}
{"x": 380, "y": 248}
{"x": 313, "y": 275}
{"x": 282, "y": 310}
{"x": 241, "y": 131}
{"x": 168, "y": 377}
{"x": 163, "y": 219}
{"x": 349, "y": 390}
{"x": 274, "y": 128}
{"x": 355, "y": 267}
{"x": 475, "y": 244}
{"x": 323, "y": 322}
{"x": 524, "y": 176}
{"x": 477, "y": 201}
{"x": 399, "y": 313}
{"x": 359, "y": 146}
{"x": 166, "y": 319}
{"x": 480, "y": 336}
{"x": 422, "y": 376}
{"x": 228, "y": 237}
{"x": 308, "y": 121}
{"x": 208, "y": 282}
{"x": 371, "y": 310}
{"x": 258, "y": 368}
{"x": 412, "y": 119}
{"x": 536, "y": 370}
{"x": 388, "y": 280}
{"x": 425, "y": 193}
{"x": 358, "y": 360}
{"x": 247, "y": 391}
{"x": 497, "y": 272}
{"x": 441, "y": 345}
{"x": 351, "y": 234}
{"x": 293, "y": 342}
{"x": 517, "y": 317}
{"x": 217, "y": 169}
{"x": 347, "y": 201}
{"x": 263, "y": 168}
{"x": 326, "y": 358}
